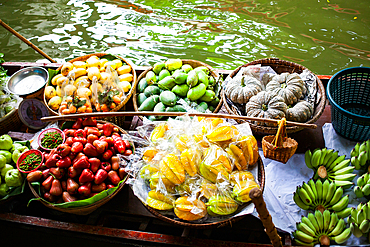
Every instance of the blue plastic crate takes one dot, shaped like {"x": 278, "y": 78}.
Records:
{"x": 348, "y": 92}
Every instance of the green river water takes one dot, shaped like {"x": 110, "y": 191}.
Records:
{"x": 324, "y": 36}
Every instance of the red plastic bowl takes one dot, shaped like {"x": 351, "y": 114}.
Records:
{"x": 47, "y": 131}
{"x": 25, "y": 154}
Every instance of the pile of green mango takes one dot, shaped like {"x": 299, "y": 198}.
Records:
{"x": 167, "y": 82}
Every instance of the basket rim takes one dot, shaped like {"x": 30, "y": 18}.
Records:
{"x": 212, "y": 70}
{"x": 272, "y": 129}
{"x": 101, "y": 54}
{"x": 261, "y": 175}
{"x": 331, "y": 100}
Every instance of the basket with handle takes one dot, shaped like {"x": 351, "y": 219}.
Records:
{"x": 348, "y": 92}
{"x": 279, "y": 66}
{"x": 279, "y": 147}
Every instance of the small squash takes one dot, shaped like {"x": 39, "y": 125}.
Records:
{"x": 266, "y": 105}
{"x": 241, "y": 88}
{"x": 300, "y": 112}
{"x": 288, "y": 86}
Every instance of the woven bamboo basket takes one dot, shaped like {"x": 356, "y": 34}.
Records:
{"x": 228, "y": 221}
{"x": 194, "y": 64}
{"x": 10, "y": 120}
{"x": 83, "y": 210}
{"x": 279, "y": 66}
{"x": 128, "y": 95}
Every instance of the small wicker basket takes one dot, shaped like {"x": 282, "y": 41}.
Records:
{"x": 128, "y": 96}
{"x": 279, "y": 66}
{"x": 194, "y": 64}
{"x": 9, "y": 121}
{"x": 279, "y": 147}
{"x": 83, "y": 210}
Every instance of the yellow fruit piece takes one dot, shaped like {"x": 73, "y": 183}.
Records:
{"x": 66, "y": 68}
{"x": 201, "y": 140}
{"x": 237, "y": 177}
{"x": 123, "y": 69}
{"x": 82, "y": 81}
{"x": 79, "y": 64}
{"x": 55, "y": 102}
{"x": 187, "y": 208}
{"x": 118, "y": 63}
{"x": 103, "y": 61}
{"x": 182, "y": 142}
{"x": 208, "y": 189}
{"x": 159, "y": 201}
{"x": 110, "y": 65}
{"x": 242, "y": 189}
{"x": 223, "y": 133}
{"x": 50, "y": 92}
{"x": 83, "y": 92}
{"x": 238, "y": 154}
{"x": 190, "y": 159}
{"x": 62, "y": 81}
{"x": 147, "y": 171}
{"x": 171, "y": 168}
{"x": 215, "y": 155}
{"x": 93, "y": 72}
{"x": 159, "y": 132}
{"x": 55, "y": 78}
{"x": 76, "y": 73}
{"x": 58, "y": 91}
{"x": 106, "y": 78}
{"x": 93, "y": 61}
{"x": 125, "y": 86}
{"x": 96, "y": 86}
{"x": 150, "y": 152}
{"x": 248, "y": 144}
{"x": 160, "y": 183}
{"x": 222, "y": 205}
{"x": 68, "y": 90}
{"x": 232, "y": 155}
{"x": 126, "y": 77}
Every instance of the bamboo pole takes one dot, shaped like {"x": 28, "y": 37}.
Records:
{"x": 171, "y": 114}
{"x": 256, "y": 196}
{"x": 26, "y": 41}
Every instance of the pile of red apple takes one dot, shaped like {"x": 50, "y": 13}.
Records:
{"x": 85, "y": 164}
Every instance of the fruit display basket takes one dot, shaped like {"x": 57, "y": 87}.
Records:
{"x": 197, "y": 179}
{"x": 128, "y": 89}
{"x": 216, "y": 103}
{"x": 10, "y": 120}
{"x": 85, "y": 205}
{"x": 348, "y": 93}
{"x": 279, "y": 66}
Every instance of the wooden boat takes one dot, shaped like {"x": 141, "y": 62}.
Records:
{"x": 124, "y": 220}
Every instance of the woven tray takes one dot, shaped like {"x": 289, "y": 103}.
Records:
{"x": 83, "y": 210}
{"x": 279, "y": 66}
{"x": 194, "y": 64}
{"x": 229, "y": 221}
{"x": 128, "y": 95}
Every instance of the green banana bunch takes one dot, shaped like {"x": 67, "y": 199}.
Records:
{"x": 359, "y": 220}
{"x": 327, "y": 164}
{"x": 320, "y": 196}
{"x": 363, "y": 186}
{"x": 320, "y": 228}
{"x": 360, "y": 155}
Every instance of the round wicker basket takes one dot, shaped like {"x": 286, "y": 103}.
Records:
{"x": 194, "y": 64}
{"x": 128, "y": 95}
{"x": 10, "y": 120}
{"x": 87, "y": 209}
{"x": 221, "y": 223}
{"x": 279, "y": 66}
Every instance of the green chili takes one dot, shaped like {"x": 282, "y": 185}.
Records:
{"x": 51, "y": 140}
{"x": 31, "y": 162}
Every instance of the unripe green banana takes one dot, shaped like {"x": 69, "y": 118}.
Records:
{"x": 328, "y": 156}
{"x": 360, "y": 216}
{"x": 366, "y": 177}
{"x": 312, "y": 184}
{"x": 358, "y": 192}
{"x": 320, "y": 219}
{"x": 341, "y": 204}
{"x": 309, "y": 191}
{"x": 316, "y": 157}
{"x": 343, "y": 177}
{"x": 325, "y": 188}
{"x": 307, "y": 158}
{"x": 306, "y": 229}
{"x": 299, "y": 202}
{"x": 319, "y": 190}
{"x": 355, "y": 162}
{"x": 338, "y": 228}
{"x": 337, "y": 195}
{"x": 344, "y": 184}
{"x": 362, "y": 157}
{"x": 343, "y": 168}
{"x": 363, "y": 147}
{"x": 332, "y": 158}
{"x": 304, "y": 196}
{"x": 333, "y": 221}
{"x": 299, "y": 242}
{"x": 309, "y": 223}
{"x": 330, "y": 193}
{"x": 344, "y": 213}
{"x": 313, "y": 220}
{"x": 361, "y": 181}
{"x": 324, "y": 151}
{"x": 355, "y": 230}
{"x": 365, "y": 226}
{"x": 366, "y": 190}
{"x": 326, "y": 218}
{"x": 343, "y": 237}
{"x": 355, "y": 150}
{"x": 336, "y": 161}
{"x": 304, "y": 237}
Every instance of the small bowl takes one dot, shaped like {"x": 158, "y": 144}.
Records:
{"x": 42, "y": 134}
{"x": 28, "y": 81}
{"x": 24, "y": 155}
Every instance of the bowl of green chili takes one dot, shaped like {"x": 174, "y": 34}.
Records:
{"x": 30, "y": 161}
{"x": 51, "y": 138}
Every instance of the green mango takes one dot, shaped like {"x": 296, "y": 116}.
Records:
{"x": 197, "y": 92}
{"x": 192, "y": 79}
{"x": 173, "y": 64}
{"x": 181, "y": 90}
{"x": 186, "y": 68}
{"x": 141, "y": 98}
{"x": 215, "y": 102}
{"x": 175, "y": 108}
{"x": 163, "y": 74}
{"x": 202, "y": 68}
{"x": 202, "y": 107}
{"x": 150, "y": 77}
{"x": 168, "y": 98}
{"x": 149, "y": 103}
{"x": 202, "y": 77}
{"x": 151, "y": 90}
{"x": 158, "y": 66}
{"x": 142, "y": 85}
{"x": 167, "y": 83}
{"x": 208, "y": 96}
{"x": 160, "y": 107}
{"x": 211, "y": 80}
{"x": 180, "y": 76}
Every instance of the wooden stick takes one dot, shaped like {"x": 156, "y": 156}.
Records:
{"x": 256, "y": 195}
{"x": 170, "y": 114}
{"x": 26, "y": 41}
